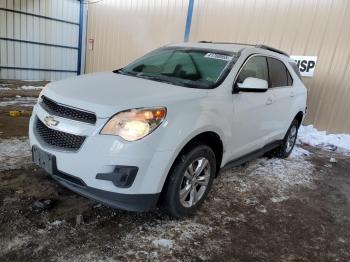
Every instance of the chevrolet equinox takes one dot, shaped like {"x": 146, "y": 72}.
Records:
{"x": 157, "y": 131}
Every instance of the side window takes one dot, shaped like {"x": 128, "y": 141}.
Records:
{"x": 255, "y": 67}
{"x": 278, "y": 73}
{"x": 289, "y": 78}
{"x": 296, "y": 69}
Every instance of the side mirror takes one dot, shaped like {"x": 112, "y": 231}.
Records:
{"x": 251, "y": 84}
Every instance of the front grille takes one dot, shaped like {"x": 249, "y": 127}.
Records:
{"x": 57, "y": 138}
{"x": 67, "y": 112}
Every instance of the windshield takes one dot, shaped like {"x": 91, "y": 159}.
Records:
{"x": 196, "y": 68}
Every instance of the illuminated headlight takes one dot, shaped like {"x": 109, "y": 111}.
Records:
{"x": 134, "y": 124}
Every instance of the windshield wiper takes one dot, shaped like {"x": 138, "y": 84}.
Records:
{"x": 171, "y": 81}
{"x": 163, "y": 79}
{"x": 123, "y": 72}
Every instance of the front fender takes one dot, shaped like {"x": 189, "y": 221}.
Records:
{"x": 190, "y": 118}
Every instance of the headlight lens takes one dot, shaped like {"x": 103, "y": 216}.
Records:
{"x": 135, "y": 124}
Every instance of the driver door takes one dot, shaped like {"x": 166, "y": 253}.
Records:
{"x": 251, "y": 123}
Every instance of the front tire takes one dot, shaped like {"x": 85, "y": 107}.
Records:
{"x": 189, "y": 181}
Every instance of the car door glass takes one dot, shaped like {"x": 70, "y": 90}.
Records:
{"x": 277, "y": 73}
{"x": 289, "y": 78}
{"x": 255, "y": 67}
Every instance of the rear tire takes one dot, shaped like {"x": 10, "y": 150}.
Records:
{"x": 284, "y": 150}
{"x": 189, "y": 181}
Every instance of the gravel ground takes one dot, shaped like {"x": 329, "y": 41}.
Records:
{"x": 295, "y": 209}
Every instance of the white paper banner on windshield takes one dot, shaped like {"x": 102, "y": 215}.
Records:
{"x": 218, "y": 56}
{"x": 306, "y": 64}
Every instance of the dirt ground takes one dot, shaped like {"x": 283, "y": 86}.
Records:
{"x": 266, "y": 210}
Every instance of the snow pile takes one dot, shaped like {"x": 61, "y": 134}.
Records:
{"x": 30, "y": 88}
{"x": 311, "y": 136}
{"x": 19, "y": 101}
{"x": 14, "y": 153}
{"x": 166, "y": 243}
{"x": 298, "y": 153}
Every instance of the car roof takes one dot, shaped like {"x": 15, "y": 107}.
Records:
{"x": 230, "y": 47}
{"x": 210, "y": 45}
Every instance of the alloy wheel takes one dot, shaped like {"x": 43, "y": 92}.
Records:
{"x": 291, "y": 138}
{"x": 195, "y": 182}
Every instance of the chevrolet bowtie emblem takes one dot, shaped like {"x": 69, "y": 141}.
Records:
{"x": 50, "y": 121}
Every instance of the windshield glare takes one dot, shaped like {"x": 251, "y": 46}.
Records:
{"x": 187, "y": 67}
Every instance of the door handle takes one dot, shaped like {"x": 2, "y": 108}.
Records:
{"x": 291, "y": 94}
{"x": 269, "y": 101}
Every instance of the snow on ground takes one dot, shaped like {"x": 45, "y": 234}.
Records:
{"x": 151, "y": 241}
{"x": 14, "y": 153}
{"x": 279, "y": 177}
{"x": 15, "y": 243}
{"x": 299, "y": 152}
{"x": 311, "y": 136}
{"x": 19, "y": 101}
{"x": 4, "y": 87}
{"x": 30, "y": 88}
{"x": 169, "y": 234}
{"x": 166, "y": 243}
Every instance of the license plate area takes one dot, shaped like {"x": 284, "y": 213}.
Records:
{"x": 43, "y": 159}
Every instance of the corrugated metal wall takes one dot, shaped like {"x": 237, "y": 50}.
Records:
{"x": 123, "y": 30}
{"x": 39, "y": 36}
{"x": 299, "y": 27}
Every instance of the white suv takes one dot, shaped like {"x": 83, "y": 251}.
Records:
{"x": 157, "y": 132}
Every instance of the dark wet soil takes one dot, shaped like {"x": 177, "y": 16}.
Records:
{"x": 313, "y": 225}
{"x": 16, "y": 126}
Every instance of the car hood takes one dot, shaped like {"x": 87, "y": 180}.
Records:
{"x": 108, "y": 93}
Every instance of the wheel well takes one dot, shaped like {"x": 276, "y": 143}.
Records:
{"x": 210, "y": 139}
{"x": 299, "y": 117}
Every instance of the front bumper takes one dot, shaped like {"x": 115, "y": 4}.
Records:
{"x": 131, "y": 202}
{"x": 100, "y": 154}
{"x": 135, "y": 202}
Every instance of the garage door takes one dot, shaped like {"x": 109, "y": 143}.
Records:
{"x": 39, "y": 39}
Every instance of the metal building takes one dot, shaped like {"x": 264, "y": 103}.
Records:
{"x": 120, "y": 30}
{"x": 40, "y": 39}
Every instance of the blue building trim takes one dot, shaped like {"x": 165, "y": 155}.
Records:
{"x": 38, "y": 69}
{"x": 80, "y": 40}
{"x": 39, "y": 16}
{"x": 37, "y": 43}
{"x": 188, "y": 20}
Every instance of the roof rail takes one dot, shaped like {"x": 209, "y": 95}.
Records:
{"x": 271, "y": 49}
{"x": 266, "y": 47}
{"x": 223, "y": 43}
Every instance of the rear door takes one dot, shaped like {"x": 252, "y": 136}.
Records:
{"x": 282, "y": 94}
